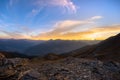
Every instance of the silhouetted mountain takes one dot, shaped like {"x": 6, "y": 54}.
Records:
{"x": 108, "y": 49}
{"x": 15, "y": 45}
{"x": 57, "y": 46}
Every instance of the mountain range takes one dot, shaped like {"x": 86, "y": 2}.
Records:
{"x": 100, "y": 61}
{"x": 57, "y": 46}
{"x": 108, "y": 49}
{"x": 17, "y": 45}
{"x": 41, "y": 47}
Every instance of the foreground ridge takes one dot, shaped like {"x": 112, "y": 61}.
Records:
{"x": 64, "y": 69}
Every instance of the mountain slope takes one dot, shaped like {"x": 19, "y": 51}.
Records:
{"x": 108, "y": 49}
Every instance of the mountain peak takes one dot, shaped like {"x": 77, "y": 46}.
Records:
{"x": 113, "y": 39}
{"x": 118, "y": 35}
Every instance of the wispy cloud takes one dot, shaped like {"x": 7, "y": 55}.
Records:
{"x": 95, "y": 18}
{"x": 15, "y": 35}
{"x": 66, "y": 5}
{"x": 16, "y": 31}
{"x": 11, "y": 34}
{"x": 36, "y": 6}
{"x": 35, "y": 12}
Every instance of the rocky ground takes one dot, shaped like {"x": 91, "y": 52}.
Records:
{"x": 64, "y": 69}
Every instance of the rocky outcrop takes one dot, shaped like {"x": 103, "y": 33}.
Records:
{"x": 1, "y": 56}
{"x": 74, "y": 69}
{"x": 10, "y": 69}
{"x": 64, "y": 69}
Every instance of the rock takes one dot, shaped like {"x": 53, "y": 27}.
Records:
{"x": 64, "y": 69}
{"x": 11, "y": 68}
{"x": 30, "y": 75}
{"x": 1, "y": 56}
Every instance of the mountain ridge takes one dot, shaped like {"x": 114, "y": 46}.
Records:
{"x": 107, "y": 49}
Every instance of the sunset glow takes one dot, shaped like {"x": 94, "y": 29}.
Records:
{"x": 59, "y": 19}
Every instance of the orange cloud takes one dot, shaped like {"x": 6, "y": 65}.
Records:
{"x": 98, "y": 33}
{"x": 62, "y": 27}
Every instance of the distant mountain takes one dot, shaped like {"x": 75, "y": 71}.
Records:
{"x": 108, "y": 49}
{"x": 15, "y": 45}
{"x": 57, "y": 46}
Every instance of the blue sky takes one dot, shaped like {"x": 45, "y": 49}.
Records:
{"x": 59, "y": 19}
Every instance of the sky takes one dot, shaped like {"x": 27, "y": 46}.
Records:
{"x": 59, "y": 19}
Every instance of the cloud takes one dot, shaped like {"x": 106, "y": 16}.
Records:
{"x": 16, "y": 32}
{"x": 68, "y": 4}
{"x": 63, "y": 27}
{"x": 63, "y": 30}
{"x": 34, "y": 12}
{"x": 15, "y": 35}
{"x": 38, "y": 5}
{"x": 96, "y": 17}
{"x": 60, "y": 30}
{"x": 11, "y": 34}
{"x": 68, "y": 25}
{"x": 98, "y": 33}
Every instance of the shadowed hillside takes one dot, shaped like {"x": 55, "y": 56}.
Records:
{"x": 108, "y": 49}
